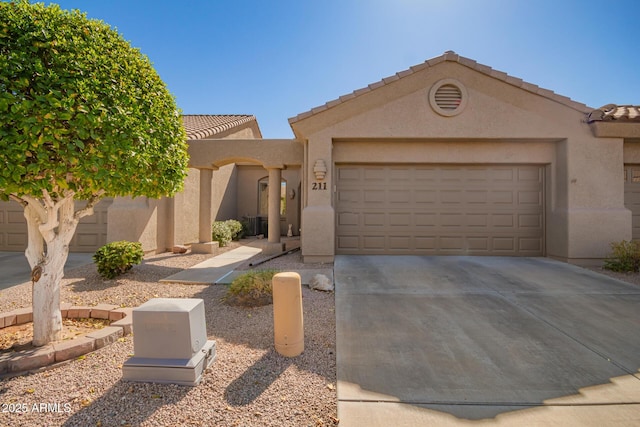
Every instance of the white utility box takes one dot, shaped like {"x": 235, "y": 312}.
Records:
{"x": 169, "y": 342}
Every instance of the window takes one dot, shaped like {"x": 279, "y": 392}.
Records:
{"x": 263, "y": 197}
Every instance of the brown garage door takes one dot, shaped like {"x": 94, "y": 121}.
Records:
{"x": 13, "y": 227}
{"x": 440, "y": 209}
{"x": 632, "y": 197}
{"x": 90, "y": 234}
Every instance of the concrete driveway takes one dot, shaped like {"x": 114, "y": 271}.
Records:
{"x": 508, "y": 341}
{"x": 14, "y": 267}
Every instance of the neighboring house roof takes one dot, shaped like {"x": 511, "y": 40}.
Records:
{"x": 613, "y": 112}
{"x": 199, "y": 126}
{"x": 454, "y": 57}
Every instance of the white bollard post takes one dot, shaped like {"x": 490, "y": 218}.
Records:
{"x": 288, "y": 324}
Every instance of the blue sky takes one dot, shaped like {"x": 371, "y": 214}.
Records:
{"x": 276, "y": 59}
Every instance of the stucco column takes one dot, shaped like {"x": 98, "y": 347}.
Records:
{"x": 318, "y": 215}
{"x": 275, "y": 178}
{"x": 204, "y": 224}
{"x": 204, "y": 215}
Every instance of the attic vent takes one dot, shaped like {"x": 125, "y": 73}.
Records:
{"x": 448, "y": 97}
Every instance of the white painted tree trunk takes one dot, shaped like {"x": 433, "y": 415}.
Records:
{"x": 51, "y": 225}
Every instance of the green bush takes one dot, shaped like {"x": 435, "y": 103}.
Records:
{"x": 252, "y": 289}
{"x": 625, "y": 257}
{"x": 116, "y": 258}
{"x": 237, "y": 231}
{"x": 221, "y": 233}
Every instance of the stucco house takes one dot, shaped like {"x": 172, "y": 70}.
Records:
{"x": 449, "y": 157}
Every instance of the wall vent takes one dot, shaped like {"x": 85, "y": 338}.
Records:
{"x": 448, "y": 97}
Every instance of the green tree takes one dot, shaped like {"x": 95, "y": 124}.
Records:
{"x": 83, "y": 115}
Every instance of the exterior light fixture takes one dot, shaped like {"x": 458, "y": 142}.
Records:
{"x": 320, "y": 169}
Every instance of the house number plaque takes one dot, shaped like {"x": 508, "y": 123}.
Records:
{"x": 318, "y": 185}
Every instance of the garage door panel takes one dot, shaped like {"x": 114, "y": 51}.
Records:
{"x": 17, "y": 240}
{"x": 479, "y": 243}
{"x": 15, "y": 217}
{"x": 632, "y": 197}
{"x": 477, "y": 196}
{"x": 528, "y": 244}
{"x": 425, "y": 244}
{"x": 350, "y": 196}
{"x": 450, "y": 219}
{"x": 529, "y": 198}
{"x": 477, "y": 175}
{"x": 455, "y": 243}
{"x": 400, "y": 197}
{"x": 501, "y": 197}
{"x": 529, "y": 175}
{"x": 374, "y": 196}
{"x": 529, "y": 221}
{"x": 375, "y": 174}
{"x": 441, "y": 209}
{"x": 399, "y": 242}
{"x": 91, "y": 232}
{"x": 451, "y": 175}
{"x": 502, "y": 220}
{"x": 477, "y": 220}
{"x": 374, "y": 219}
{"x": 400, "y": 175}
{"x": 425, "y": 219}
{"x": 347, "y": 174}
{"x": 425, "y": 196}
{"x": 347, "y": 219}
{"x": 451, "y": 196}
{"x": 375, "y": 242}
{"x": 504, "y": 244}
{"x": 502, "y": 175}
{"x": 346, "y": 243}
{"x": 424, "y": 175}
{"x": 400, "y": 219}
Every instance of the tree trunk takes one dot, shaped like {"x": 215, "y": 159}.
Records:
{"x": 47, "y": 319}
{"x": 51, "y": 226}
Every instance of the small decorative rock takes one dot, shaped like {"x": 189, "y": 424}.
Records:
{"x": 320, "y": 282}
{"x": 179, "y": 249}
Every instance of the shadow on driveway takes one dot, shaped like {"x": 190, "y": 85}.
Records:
{"x": 476, "y": 337}
{"x": 15, "y": 267}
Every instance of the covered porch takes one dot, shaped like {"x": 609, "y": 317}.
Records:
{"x": 274, "y": 155}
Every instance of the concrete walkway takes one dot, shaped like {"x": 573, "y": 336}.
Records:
{"x": 449, "y": 341}
{"x": 215, "y": 268}
{"x": 220, "y": 269}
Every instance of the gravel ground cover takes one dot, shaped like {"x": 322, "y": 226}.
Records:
{"x": 633, "y": 278}
{"x": 248, "y": 384}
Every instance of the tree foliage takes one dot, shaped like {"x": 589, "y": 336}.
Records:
{"x": 81, "y": 111}
{"x": 83, "y": 115}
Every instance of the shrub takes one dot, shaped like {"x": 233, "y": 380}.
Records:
{"x": 252, "y": 289}
{"x": 221, "y": 233}
{"x": 237, "y": 231}
{"x": 116, "y": 258}
{"x": 625, "y": 257}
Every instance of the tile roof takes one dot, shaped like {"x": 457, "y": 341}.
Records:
{"x": 199, "y": 126}
{"x": 613, "y": 112}
{"x": 453, "y": 57}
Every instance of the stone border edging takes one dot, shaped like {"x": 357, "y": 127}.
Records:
{"x": 26, "y": 360}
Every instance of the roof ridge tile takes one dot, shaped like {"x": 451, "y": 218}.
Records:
{"x": 199, "y": 126}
